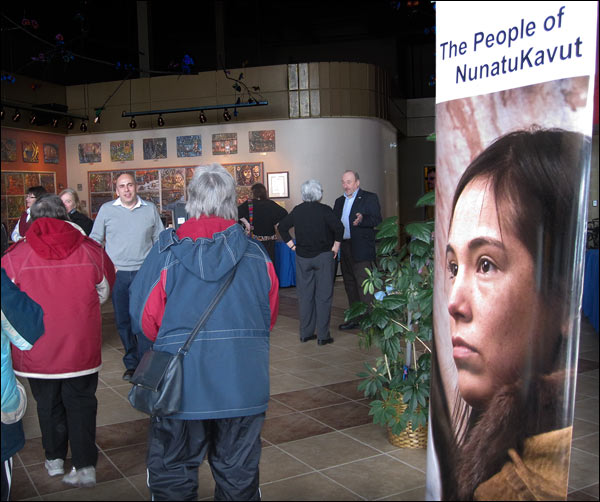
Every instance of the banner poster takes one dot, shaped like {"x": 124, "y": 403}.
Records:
{"x": 514, "y": 112}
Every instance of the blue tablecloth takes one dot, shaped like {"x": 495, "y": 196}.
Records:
{"x": 285, "y": 265}
{"x": 590, "y": 287}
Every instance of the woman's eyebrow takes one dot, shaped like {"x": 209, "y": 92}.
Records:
{"x": 485, "y": 241}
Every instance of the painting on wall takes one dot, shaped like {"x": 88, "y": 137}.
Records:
{"x": 189, "y": 146}
{"x": 89, "y": 153}
{"x": 15, "y": 206}
{"x": 173, "y": 178}
{"x": 121, "y": 151}
{"x": 248, "y": 173}
{"x": 50, "y": 153}
{"x": 147, "y": 180}
{"x": 31, "y": 180}
{"x": 243, "y": 194}
{"x": 47, "y": 181}
{"x": 9, "y": 150}
{"x": 31, "y": 152}
{"x": 100, "y": 182}
{"x": 97, "y": 200}
{"x": 224, "y": 143}
{"x": 261, "y": 141}
{"x": 155, "y": 148}
{"x": 15, "y": 184}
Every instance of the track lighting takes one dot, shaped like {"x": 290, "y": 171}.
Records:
{"x": 132, "y": 123}
{"x": 70, "y": 124}
{"x": 83, "y": 127}
{"x": 161, "y": 121}
{"x": 97, "y": 119}
{"x": 2, "y": 113}
{"x": 33, "y": 119}
{"x": 17, "y": 116}
{"x": 202, "y": 117}
{"x": 54, "y": 122}
{"x": 226, "y": 115}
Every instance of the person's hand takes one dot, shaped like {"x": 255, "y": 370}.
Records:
{"x": 335, "y": 249}
{"x": 358, "y": 219}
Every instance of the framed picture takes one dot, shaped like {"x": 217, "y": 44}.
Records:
{"x": 278, "y": 185}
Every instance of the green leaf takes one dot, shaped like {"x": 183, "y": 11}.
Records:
{"x": 427, "y": 200}
{"x": 421, "y": 231}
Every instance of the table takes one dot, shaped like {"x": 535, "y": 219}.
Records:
{"x": 590, "y": 287}
{"x": 285, "y": 264}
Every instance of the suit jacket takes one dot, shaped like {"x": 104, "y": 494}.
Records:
{"x": 362, "y": 235}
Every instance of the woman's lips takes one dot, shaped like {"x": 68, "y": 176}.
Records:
{"x": 461, "y": 349}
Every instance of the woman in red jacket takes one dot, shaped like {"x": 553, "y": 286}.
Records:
{"x": 69, "y": 275}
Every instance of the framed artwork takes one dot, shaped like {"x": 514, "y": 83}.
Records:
{"x": 261, "y": 141}
{"x": 97, "y": 200}
{"x": 90, "y": 153}
{"x": 147, "y": 180}
{"x": 189, "y": 146}
{"x": 31, "y": 180}
{"x": 243, "y": 194}
{"x": 121, "y": 151}
{"x": 155, "y": 148}
{"x": 9, "y": 150}
{"x": 47, "y": 181}
{"x": 50, "y": 153}
{"x": 246, "y": 174}
{"x": 172, "y": 178}
{"x": 100, "y": 182}
{"x": 224, "y": 143}
{"x": 15, "y": 184}
{"x": 278, "y": 185}
{"x": 31, "y": 151}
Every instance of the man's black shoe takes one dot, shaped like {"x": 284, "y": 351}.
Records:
{"x": 325, "y": 342}
{"x": 128, "y": 374}
{"x": 308, "y": 338}
{"x": 349, "y": 325}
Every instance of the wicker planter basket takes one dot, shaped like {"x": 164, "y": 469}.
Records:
{"x": 408, "y": 438}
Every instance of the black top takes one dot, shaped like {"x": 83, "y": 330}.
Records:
{"x": 316, "y": 228}
{"x": 82, "y": 220}
{"x": 266, "y": 214}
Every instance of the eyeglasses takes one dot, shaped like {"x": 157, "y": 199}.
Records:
{"x": 29, "y": 196}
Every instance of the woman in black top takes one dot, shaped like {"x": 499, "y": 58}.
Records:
{"x": 260, "y": 216}
{"x": 70, "y": 199}
{"x": 318, "y": 237}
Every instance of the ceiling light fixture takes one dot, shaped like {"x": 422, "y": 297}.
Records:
{"x": 202, "y": 117}
{"x": 70, "y": 124}
{"x": 97, "y": 117}
{"x": 33, "y": 119}
{"x": 161, "y": 121}
{"x": 83, "y": 127}
{"x": 17, "y": 116}
{"x": 2, "y": 113}
{"x": 54, "y": 122}
{"x": 132, "y": 123}
{"x": 226, "y": 115}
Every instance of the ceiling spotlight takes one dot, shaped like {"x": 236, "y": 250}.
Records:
{"x": 70, "y": 124}
{"x": 17, "y": 116}
{"x": 2, "y": 113}
{"x": 33, "y": 119}
{"x": 97, "y": 119}
{"x": 161, "y": 121}
{"x": 132, "y": 123}
{"x": 83, "y": 127}
{"x": 54, "y": 122}
{"x": 202, "y": 117}
{"x": 226, "y": 115}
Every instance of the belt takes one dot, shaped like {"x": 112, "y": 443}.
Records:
{"x": 265, "y": 237}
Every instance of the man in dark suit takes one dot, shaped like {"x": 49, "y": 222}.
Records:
{"x": 360, "y": 213}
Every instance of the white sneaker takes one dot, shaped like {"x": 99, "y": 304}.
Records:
{"x": 84, "y": 477}
{"x": 55, "y": 467}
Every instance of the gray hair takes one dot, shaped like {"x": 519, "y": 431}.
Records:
{"x": 211, "y": 192}
{"x": 73, "y": 194}
{"x": 356, "y": 176}
{"x": 311, "y": 191}
{"x": 49, "y": 205}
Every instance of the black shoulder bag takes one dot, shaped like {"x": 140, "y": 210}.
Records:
{"x": 158, "y": 379}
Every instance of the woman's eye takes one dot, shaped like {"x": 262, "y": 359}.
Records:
{"x": 453, "y": 269}
{"x": 486, "y": 266}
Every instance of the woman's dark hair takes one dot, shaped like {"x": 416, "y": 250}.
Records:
{"x": 535, "y": 177}
{"x": 37, "y": 191}
{"x": 259, "y": 191}
{"x": 49, "y": 205}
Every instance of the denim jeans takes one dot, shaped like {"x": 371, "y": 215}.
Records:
{"x": 135, "y": 344}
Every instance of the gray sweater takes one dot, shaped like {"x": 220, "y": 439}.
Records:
{"x": 128, "y": 234}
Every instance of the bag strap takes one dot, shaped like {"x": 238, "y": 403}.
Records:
{"x": 186, "y": 346}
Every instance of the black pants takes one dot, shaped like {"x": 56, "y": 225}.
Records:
{"x": 177, "y": 448}
{"x": 353, "y": 273}
{"x": 67, "y": 412}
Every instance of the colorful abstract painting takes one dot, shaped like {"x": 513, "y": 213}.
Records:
{"x": 89, "y": 153}
{"x": 261, "y": 141}
{"x": 50, "y": 153}
{"x": 121, "y": 151}
{"x": 100, "y": 182}
{"x": 147, "y": 180}
{"x": 47, "y": 181}
{"x": 9, "y": 150}
{"x": 224, "y": 143}
{"x": 155, "y": 148}
{"x": 189, "y": 146}
{"x": 31, "y": 151}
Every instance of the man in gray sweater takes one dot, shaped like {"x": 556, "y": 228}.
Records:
{"x": 128, "y": 227}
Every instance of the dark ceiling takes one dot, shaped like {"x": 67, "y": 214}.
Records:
{"x": 100, "y": 39}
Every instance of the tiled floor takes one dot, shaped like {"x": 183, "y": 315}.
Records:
{"x": 318, "y": 440}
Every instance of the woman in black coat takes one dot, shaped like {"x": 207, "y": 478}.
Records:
{"x": 71, "y": 201}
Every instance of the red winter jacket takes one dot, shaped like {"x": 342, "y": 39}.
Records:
{"x": 66, "y": 273}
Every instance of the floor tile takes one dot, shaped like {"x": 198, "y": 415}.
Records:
{"x": 347, "y": 389}
{"x": 587, "y": 409}
{"x": 583, "y": 469}
{"x": 308, "y": 399}
{"x": 130, "y": 460}
{"x": 277, "y": 409}
{"x": 21, "y": 486}
{"x": 123, "y": 434}
{"x": 326, "y": 376}
{"x": 328, "y": 450}
{"x": 307, "y": 487}
{"x": 373, "y": 435}
{"x": 298, "y": 363}
{"x": 292, "y": 427}
{"x": 414, "y": 494}
{"x": 414, "y": 457}
{"x": 276, "y": 464}
{"x": 287, "y": 383}
{"x": 343, "y": 416}
{"x": 120, "y": 489}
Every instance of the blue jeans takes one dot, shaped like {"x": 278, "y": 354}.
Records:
{"x": 135, "y": 344}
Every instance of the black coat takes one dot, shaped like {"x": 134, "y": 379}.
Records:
{"x": 362, "y": 235}
{"x": 83, "y": 221}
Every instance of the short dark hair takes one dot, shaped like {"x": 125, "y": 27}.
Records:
{"x": 259, "y": 191}
{"x": 37, "y": 191}
{"x": 49, "y": 205}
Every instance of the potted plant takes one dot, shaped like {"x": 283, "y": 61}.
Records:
{"x": 399, "y": 321}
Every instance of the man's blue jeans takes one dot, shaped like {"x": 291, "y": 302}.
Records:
{"x": 135, "y": 344}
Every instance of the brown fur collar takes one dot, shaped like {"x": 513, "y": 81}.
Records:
{"x": 515, "y": 413}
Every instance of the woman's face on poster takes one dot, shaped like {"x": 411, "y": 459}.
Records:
{"x": 492, "y": 300}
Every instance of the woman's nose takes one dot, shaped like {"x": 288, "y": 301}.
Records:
{"x": 459, "y": 305}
